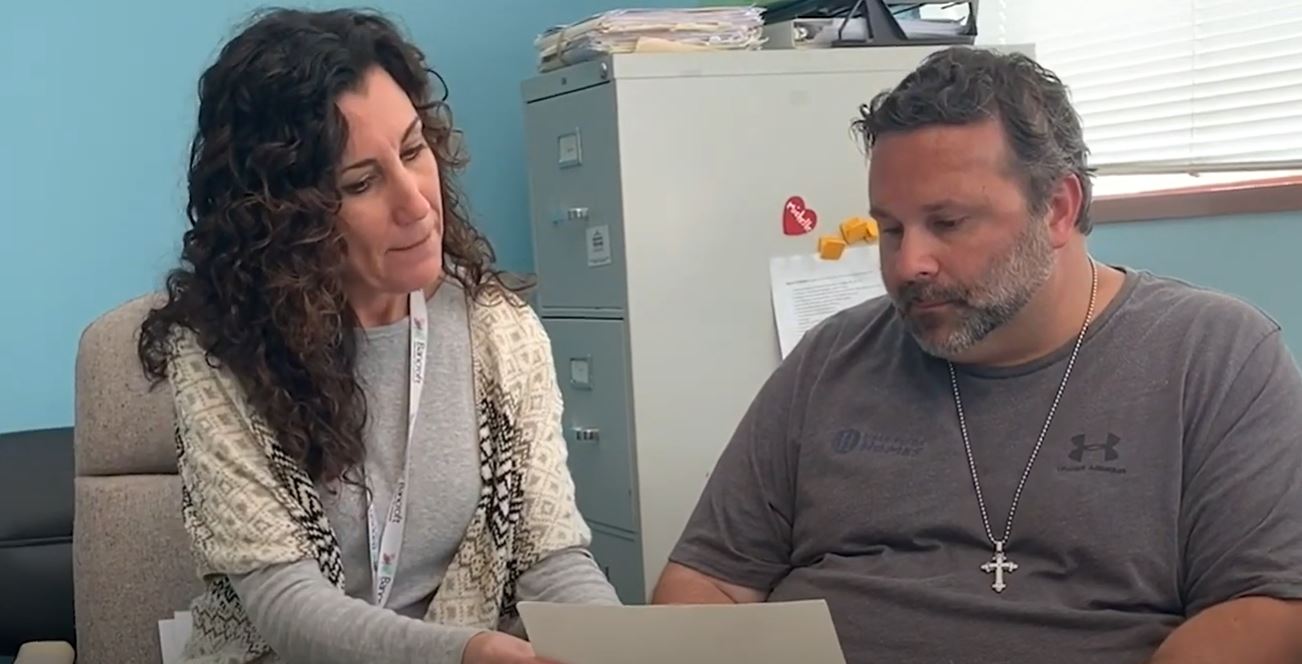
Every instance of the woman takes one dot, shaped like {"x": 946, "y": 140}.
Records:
{"x": 368, "y": 422}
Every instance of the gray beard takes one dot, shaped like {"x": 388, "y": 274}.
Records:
{"x": 1005, "y": 289}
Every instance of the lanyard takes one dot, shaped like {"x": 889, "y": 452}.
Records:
{"x": 386, "y": 544}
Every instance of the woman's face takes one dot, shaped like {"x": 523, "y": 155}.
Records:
{"x": 392, "y": 212}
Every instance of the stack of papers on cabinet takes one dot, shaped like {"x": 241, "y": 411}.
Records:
{"x": 651, "y": 30}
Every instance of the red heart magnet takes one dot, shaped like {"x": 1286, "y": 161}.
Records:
{"x": 796, "y": 218}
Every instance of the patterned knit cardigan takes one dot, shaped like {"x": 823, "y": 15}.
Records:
{"x": 247, "y": 505}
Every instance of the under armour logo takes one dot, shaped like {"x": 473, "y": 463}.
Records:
{"x": 1079, "y": 448}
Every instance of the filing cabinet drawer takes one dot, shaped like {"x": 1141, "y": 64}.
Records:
{"x": 591, "y": 367}
{"x": 620, "y": 557}
{"x": 574, "y": 200}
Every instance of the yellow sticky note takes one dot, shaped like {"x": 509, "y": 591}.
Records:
{"x": 854, "y": 229}
{"x": 830, "y": 247}
{"x": 871, "y": 225}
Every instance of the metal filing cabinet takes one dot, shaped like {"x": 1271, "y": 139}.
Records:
{"x": 657, "y": 184}
{"x": 575, "y": 180}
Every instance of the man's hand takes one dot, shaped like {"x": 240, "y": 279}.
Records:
{"x": 499, "y": 648}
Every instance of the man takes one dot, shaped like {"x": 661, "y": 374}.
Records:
{"x": 1021, "y": 455}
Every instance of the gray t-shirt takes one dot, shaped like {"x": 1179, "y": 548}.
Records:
{"x": 444, "y": 469}
{"x": 1170, "y": 481}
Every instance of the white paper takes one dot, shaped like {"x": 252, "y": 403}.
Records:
{"x": 777, "y": 633}
{"x": 172, "y": 636}
{"x": 166, "y": 649}
{"x": 807, "y": 289}
{"x": 184, "y": 623}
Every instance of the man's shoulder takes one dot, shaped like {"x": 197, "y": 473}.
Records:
{"x": 1199, "y": 313}
{"x": 865, "y": 326}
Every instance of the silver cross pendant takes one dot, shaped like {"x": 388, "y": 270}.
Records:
{"x": 999, "y": 565}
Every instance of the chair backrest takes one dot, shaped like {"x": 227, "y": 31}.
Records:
{"x": 132, "y": 564}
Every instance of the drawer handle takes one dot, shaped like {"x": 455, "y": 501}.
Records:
{"x": 586, "y": 434}
{"x": 573, "y": 214}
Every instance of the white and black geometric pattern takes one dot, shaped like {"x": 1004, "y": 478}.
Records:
{"x": 306, "y": 507}
{"x": 246, "y": 504}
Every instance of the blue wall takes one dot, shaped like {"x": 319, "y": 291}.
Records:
{"x": 96, "y": 110}
{"x": 1254, "y": 257}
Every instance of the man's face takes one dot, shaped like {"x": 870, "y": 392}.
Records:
{"x": 961, "y": 253}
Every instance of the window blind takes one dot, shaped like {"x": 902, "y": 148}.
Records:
{"x": 1171, "y": 86}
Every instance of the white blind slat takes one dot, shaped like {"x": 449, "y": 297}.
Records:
{"x": 1169, "y": 84}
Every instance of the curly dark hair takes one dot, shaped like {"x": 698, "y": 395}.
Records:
{"x": 962, "y": 85}
{"x": 260, "y": 282}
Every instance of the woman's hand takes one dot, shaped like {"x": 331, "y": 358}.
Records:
{"x": 499, "y": 648}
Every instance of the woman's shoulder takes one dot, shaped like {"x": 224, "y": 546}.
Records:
{"x": 504, "y": 322}
{"x": 186, "y": 356}
{"x": 195, "y": 374}
{"x": 500, "y": 310}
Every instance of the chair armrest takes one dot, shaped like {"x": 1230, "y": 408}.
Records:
{"x": 46, "y": 652}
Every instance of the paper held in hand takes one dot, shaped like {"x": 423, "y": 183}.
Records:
{"x": 776, "y": 633}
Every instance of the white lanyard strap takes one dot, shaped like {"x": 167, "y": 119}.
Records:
{"x": 386, "y": 540}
